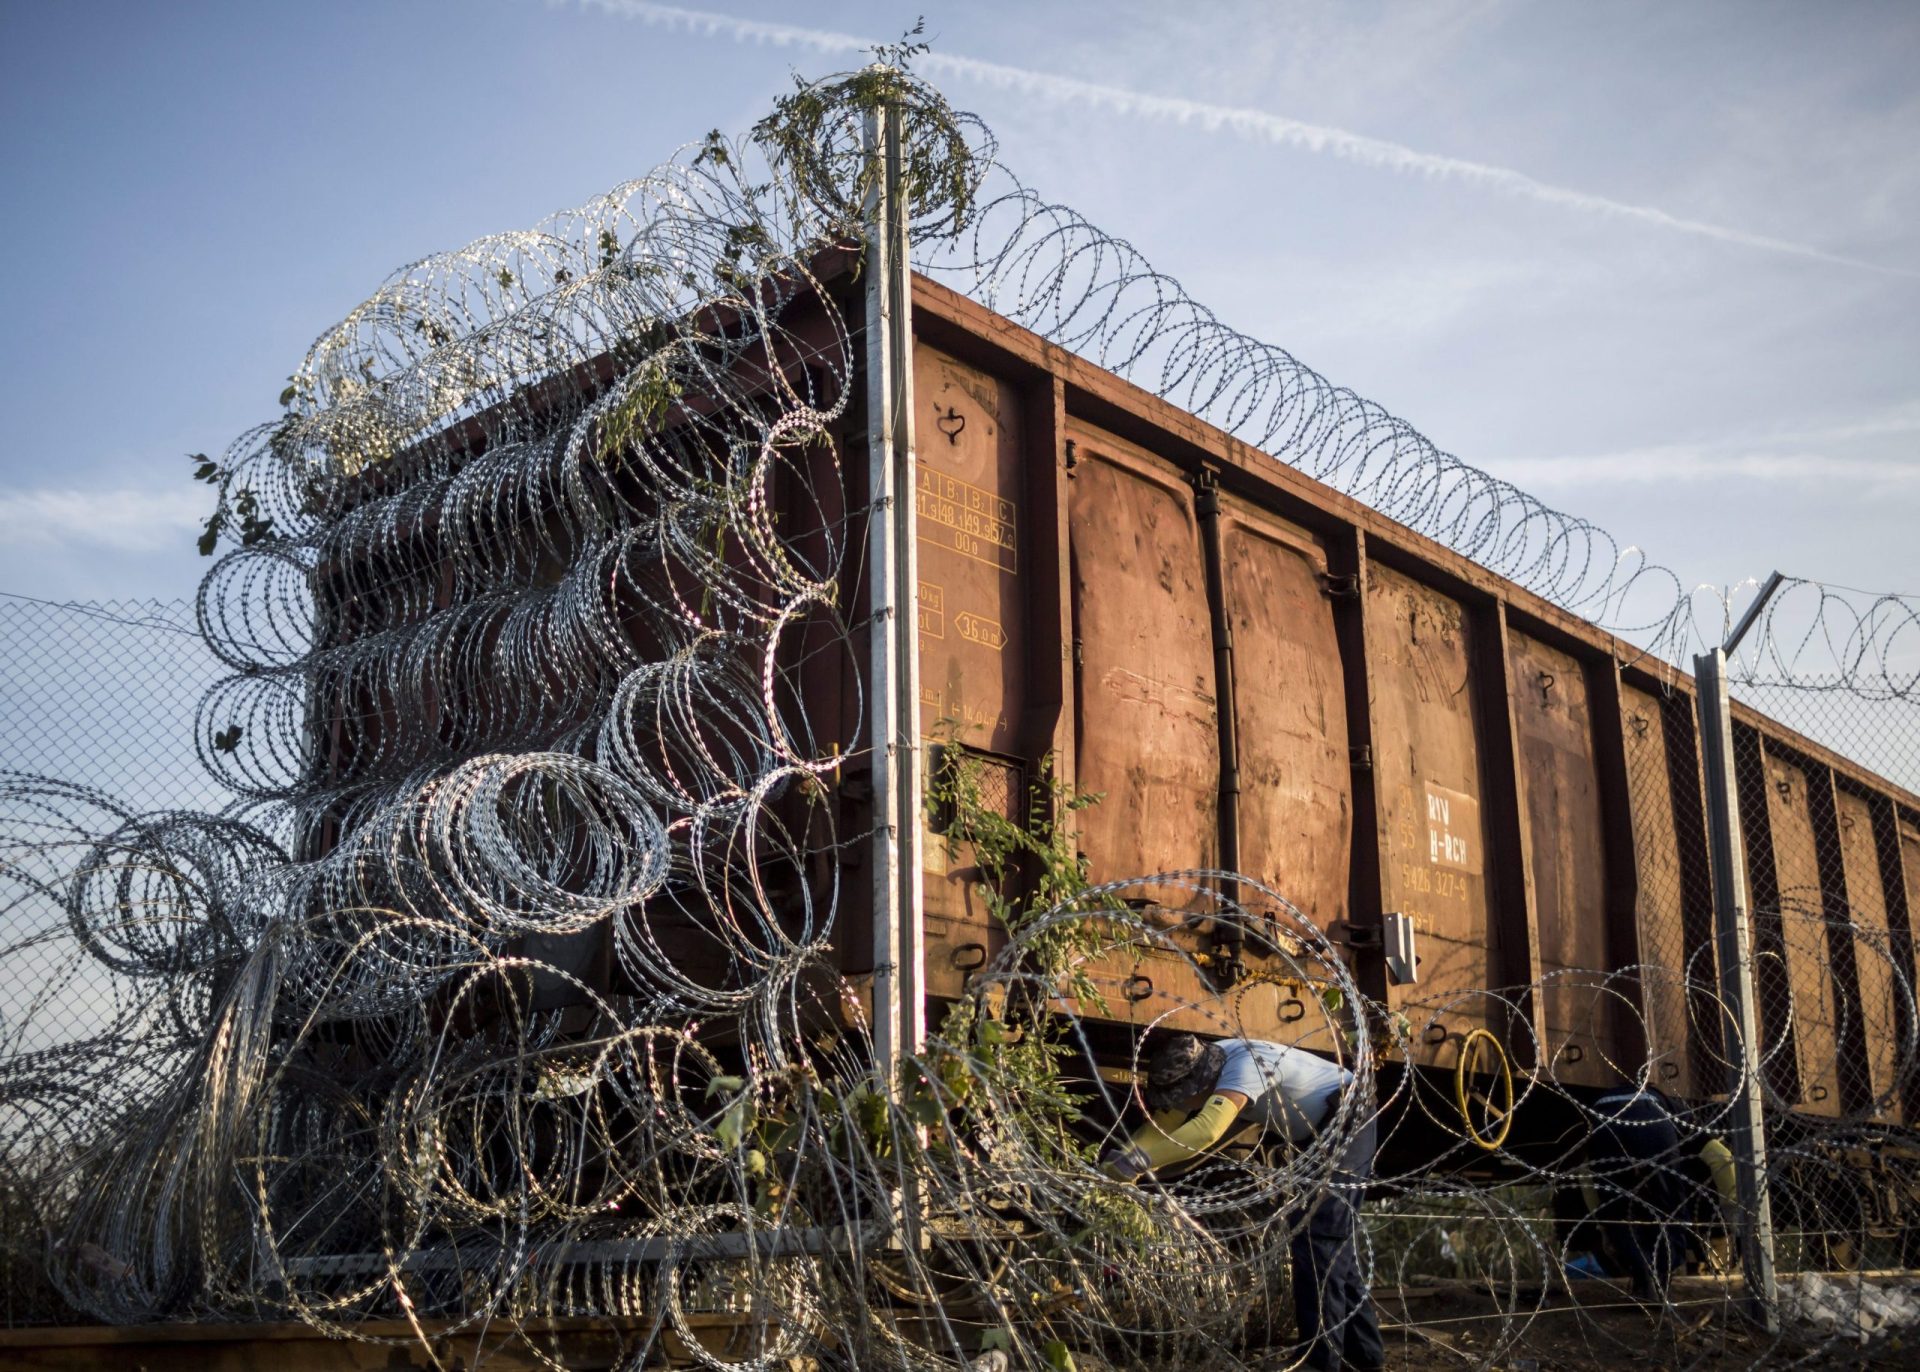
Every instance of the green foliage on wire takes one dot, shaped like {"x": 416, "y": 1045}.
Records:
{"x": 809, "y": 137}
{"x": 1008, "y": 1051}
{"x": 1027, "y": 866}
{"x": 254, "y": 527}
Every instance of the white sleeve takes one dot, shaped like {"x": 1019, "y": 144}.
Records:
{"x": 1244, "y": 1072}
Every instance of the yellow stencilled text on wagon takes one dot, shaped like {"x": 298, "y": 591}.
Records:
{"x": 967, "y": 519}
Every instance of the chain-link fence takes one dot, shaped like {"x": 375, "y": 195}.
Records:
{"x": 97, "y": 707}
{"x": 104, "y": 692}
{"x": 99, "y": 700}
{"x": 1841, "y": 669}
{"x": 1825, "y": 753}
{"x": 1826, "y": 762}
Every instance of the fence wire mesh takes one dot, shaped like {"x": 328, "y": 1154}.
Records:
{"x": 1833, "y": 864}
{"x": 105, "y": 696}
{"x": 107, "y": 691}
{"x": 97, "y": 707}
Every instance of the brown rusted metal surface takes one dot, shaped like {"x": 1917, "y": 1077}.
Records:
{"x": 1625, "y": 1012}
{"x": 1780, "y": 1063}
{"x": 1427, "y": 777}
{"x": 1147, "y": 736}
{"x": 1396, "y": 748}
{"x": 1296, "y": 812}
{"x": 1048, "y": 732}
{"x": 1867, "y": 905}
{"x": 972, "y": 598}
{"x": 1843, "y": 962}
{"x": 962, "y": 326}
{"x": 1561, "y": 801}
{"x": 1349, "y": 574}
{"x": 1162, "y": 988}
{"x": 1686, "y": 778}
{"x": 1668, "y": 878}
{"x": 1801, "y": 903}
{"x": 1909, "y": 827}
{"x": 971, "y": 520}
{"x": 1888, "y": 831}
{"x": 1510, "y": 903}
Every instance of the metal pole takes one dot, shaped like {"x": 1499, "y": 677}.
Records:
{"x": 1733, "y": 936}
{"x": 899, "y": 1014}
{"x": 1748, "y": 619}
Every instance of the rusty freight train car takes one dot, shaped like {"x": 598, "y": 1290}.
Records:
{"x": 1260, "y": 674}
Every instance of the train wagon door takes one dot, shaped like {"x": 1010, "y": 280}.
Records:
{"x": 1295, "y": 774}
{"x": 1873, "y": 952}
{"x": 1146, "y": 722}
{"x": 1294, "y": 771}
{"x": 972, "y": 626}
{"x": 1674, "y": 892}
{"x": 1801, "y": 917}
{"x": 1146, "y": 718}
{"x": 1427, "y": 777}
{"x": 1560, "y": 796}
{"x": 1147, "y": 703}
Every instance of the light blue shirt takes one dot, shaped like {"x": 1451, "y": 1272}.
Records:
{"x": 1286, "y": 1088}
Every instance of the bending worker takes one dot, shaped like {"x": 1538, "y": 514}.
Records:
{"x": 1203, "y": 1095}
{"x": 1649, "y": 1182}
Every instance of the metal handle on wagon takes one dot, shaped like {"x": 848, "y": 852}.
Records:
{"x": 1470, "y": 1053}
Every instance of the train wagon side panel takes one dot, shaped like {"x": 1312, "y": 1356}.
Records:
{"x": 1145, "y": 711}
{"x": 1561, "y": 799}
{"x": 1673, "y": 895}
{"x": 1873, "y": 954}
{"x": 1534, "y": 808}
{"x": 974, "y": 561}
{"x": 1427, "y": 771}
{"x": 1801, "y": 915}
{"x": 1295, "y": 773}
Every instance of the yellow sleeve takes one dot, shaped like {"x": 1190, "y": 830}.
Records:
{"x": 1719, "y": 1160}
{"x": 1159, "y": 1145}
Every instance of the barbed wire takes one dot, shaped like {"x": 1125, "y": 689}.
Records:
{"x": 508, "y": 989}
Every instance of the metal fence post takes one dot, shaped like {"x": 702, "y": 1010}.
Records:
{"x": 1733, "y": 936}
{"x": 894, "y": 678}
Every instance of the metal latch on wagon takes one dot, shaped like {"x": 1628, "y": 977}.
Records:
{"x": 1403, "y": 960}
{"x": 1393, "y": 937}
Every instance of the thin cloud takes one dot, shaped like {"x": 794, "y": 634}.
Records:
{"x": 1247, "y": 123}
{"x": 1895, "y": 419}
{"x": 1679, "y": 464}
{"x": 1782, "y": 456}
{"x": 126, "y": 520}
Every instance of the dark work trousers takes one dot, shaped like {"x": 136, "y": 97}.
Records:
{"x": 1635, "y": 1155}
{"x": 1330, "y": 1300}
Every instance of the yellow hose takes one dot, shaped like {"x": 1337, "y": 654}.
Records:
{"x": 1469, "y": 1054}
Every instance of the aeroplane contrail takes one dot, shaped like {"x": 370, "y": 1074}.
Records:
{"x": 1239, "y": 120}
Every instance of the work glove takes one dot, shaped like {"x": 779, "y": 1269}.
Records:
{"x": 1124, "y": 1164}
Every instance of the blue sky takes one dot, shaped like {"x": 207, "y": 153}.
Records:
{"x": 192, "y": 192}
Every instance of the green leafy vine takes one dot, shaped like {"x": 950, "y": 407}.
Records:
{"x": 1011, "y": 1051}
{"x": 939, "y": 171}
